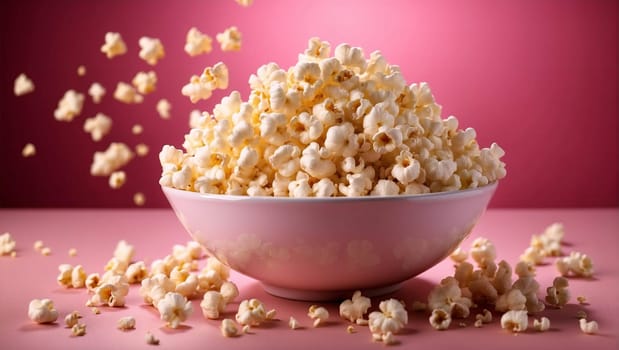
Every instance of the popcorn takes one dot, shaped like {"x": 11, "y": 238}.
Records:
{"x": 117, "y": 179}
{"x": 114, "y": 45}
{"x": 7, "y": 244}
{"x": 212, "y": 305}
{"x": 111, "y": 294}
{"x": 154, "y": 288}
{"x": 391, "y": 318}
{"x": 141, "y": 150}
{"x": 42, "y": 311}
{"x": 354, "y": 309}
{"x": 228, "y": 328}
{"x": 448, "y": 296}
{"x": 151, "y": 339}
{"x": 151, "y": 50}
{"x": 482, "y": 249}
{"x": 78, "y": 277}
{"x": 115, "y": 156}
{"x": 72, "y": 319}
{"x": 581, "y": 300}
{"x": 229, "y": 291}
{"x": 124, "y": 252}
{"x": 174, "y": 309}
{"x": 590, "y": 327}
{"x": 98, "y": 126}
{"x": 440, "y": 319}
{"x": 163, "y": 108}
{"x": 244, "y": 3}
{"x": 515, "y": 321}
{"x": 201, "y": 87}
{"x": 45, "y": 251}
{"x": 127, "y": 94}
{"x": 136, "y": 272}
{"x": 70, "y": 106}
{"x": 23, "y": 85}
{"x": 145, "y": 82}
{"x": 137, "y": 129}
{"x": 318, "y": 313}
{"x": 251, "y": 313}
{"x": 96, "y": 91}
{"x": 139, "y": 199}
{"x": 126, "y": 323}
{"x": 542, "y": 324}
{"x": 351, "y": 329}
{"x": 186, "y": 282}
{"x": 293, "y": 323}
{"x": 72, "y": 252}
{"x": 197, "y": 43}
{"x": 558, "y": 295}
{"x": 92, "y": 282}
{"x": 230, "y": 39}
{"x": 484, "y": 317}
{"x": 576, "y": 264}
{"x": 78, "y": 330}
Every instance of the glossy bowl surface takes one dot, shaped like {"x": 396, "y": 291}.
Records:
{"x": 325, "y": 248}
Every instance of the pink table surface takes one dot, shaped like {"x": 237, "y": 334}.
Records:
{"x": 94, "y": 233}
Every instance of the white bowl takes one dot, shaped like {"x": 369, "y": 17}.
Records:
{"x": 325, "y": 248}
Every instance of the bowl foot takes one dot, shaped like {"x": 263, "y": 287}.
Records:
{"x": 326, "y": 295}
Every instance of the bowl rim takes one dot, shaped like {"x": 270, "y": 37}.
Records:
{"x": 244, "y": 198}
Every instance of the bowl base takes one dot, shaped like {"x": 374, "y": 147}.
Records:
{"x": 327, "y": 295}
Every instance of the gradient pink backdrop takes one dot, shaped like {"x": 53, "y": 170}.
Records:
{"x": 538, "y": 77}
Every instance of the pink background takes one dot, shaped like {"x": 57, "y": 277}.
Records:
{"x": 538, "y": 77}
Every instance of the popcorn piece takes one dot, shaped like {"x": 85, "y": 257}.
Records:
{"x": 251, "y": 312}
{"x": 127, "y": 94}
{"x": 92, "y": 282}
{"x": 137, "y": 129}
{"x": 482, "y": 249}
{"x": 201, "y": 87}
{"x": 228, "y": 328}
{"x": 212, "y": 305}
{"x": 558, "y": 294}
{"x": 576, "y": 264}
{"x": 110, "y": 294}
{"x": 174, "y": 309}
{"x": 145, "y": 82}
{"x": 151, "y": 50}
{"x": 126, "y": 323}
{"x": 318, "y": 313}
{"x": 244, "y": 3}
{"x": 459, "y": 255}
{"x": 78, "y": 277}
{"x": 293, "y": 323}
{"x": 230, "y": 39}
{"x": 541, "y": 325}
{"x": 351, "y": 329}
{"x": 354, "y": 309}
{"x": 114, "y": 45}
{"x": 581, "y": 314}
{"x": 197, "y": 43}
{"x": 7, "y": 244}
{"x": 270, "y": 315}
{"x": 141, "y": 150}
{"x": 440, "y": 319}
{"x": 114, "y": 157}
{"x": 98, "y": 126}
{"x": 45, "y": 251}
{"x": 581, "y": 300}
{"x": 42, "y": 311}
{"x": 590, "y": 327}
{"x": 448, "y": 296}
{"x": 154, "y": 288}
{"x": 70, "y": 106}
{"x": 136, "y": 272}
{"x": 515, "y": 321}
{"x": 229, "y": 291}
{"x": 163, "y": 108}
{"x": 23, "y": 85}
{"x": 96, "y": 91}
{"x": 95, "y": 310}
{"x": 78, "y": 330}
{"x": 81, "y": 70}
{"x": 246, "y": 329}
{"x": 139, "y": 199}
{"x": 117, "y": 179}
{"x": 124, "y": 252}
{"x": 484, "y": 317}
{"x": 391, "y": 318}
{"x": 151, "y": 339}
{"x": 72, "y": 319}
{"x": 38, "y": 245}
{"x": 72, "y": 252}
{"x": 64, "y": 278}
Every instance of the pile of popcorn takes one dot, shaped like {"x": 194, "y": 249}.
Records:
{"x": 328, "y": 126}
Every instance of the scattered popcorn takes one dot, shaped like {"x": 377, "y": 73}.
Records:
{"x": 174, "y": 309}
{"x": 7, "y": 244}
{"x": 328, "y": 126}
{"x": 558, "y": 295}
{"x": 440, "y": 319}
{"x": 117, "y": 179}
{"x": 92, "y": 282}
{"x": 228, "y": 328}
{"x": 590, "y": 327}
{"x": 515, "y": 321}
{"x": 542, "y": 324}
{"x": 78, "y": 277}
{"x": 72, "y": 319}
{"x": 154, "y": 288}
{"x": 81, "y": 70}
{"x": 42, "y": 311}
{"x": 38, "y": 244}
{"x": 201, "y": 87}
{"x": 163, "y": 108}
{"x": 114, "y": 45}
{"x": 70, "y": 106}
{"x": 13, "y": 254}
{"x": 478, "y": 323}
{"x": 546, "y": 244}
{"x": 151, "y": 339}
{"x": 78, "y": 330}
{"x": 141, "y": 150}
{"x": 576, "y": 264}
{"x": 126, "y": 323}
{"x": 212, "y": 304}
{"x": 318, "y": 313}
{"x": 98, "y": 126}
{"x": 448, "y": 296}
{"x": 95, "y": 310}
{"x": 113, "y": 158}
{"x": 96, "y": 91}
{"x": 137, "y": 129}
{"x": 270, "y": 315}
{"x": 197, "y": 43}
{"x": 230, "y": 39}
{"x": 293, "y": 323}
{"x": 23, "y": 85}
{"x": 145, "y": 82}
{"x": 139, "y": 199}
{"x": 251, "y": 313}
{"x": 581, "y": 300}
{"x": 459, "y": 255}
{"x": 354, "y": 309}
{"x": 391, "y": 318}
{"x": 351, "y": 329}
{"x": 111, "y": 294}
{"x": 151, "y": 50}
{"x": 46, "y": 251}
{"x": 127, "y": 94}
{"x": 72, "y": 252}
{"x": 244, "y": 3}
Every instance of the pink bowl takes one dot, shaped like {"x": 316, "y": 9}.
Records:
{"x": 325, "y": 248}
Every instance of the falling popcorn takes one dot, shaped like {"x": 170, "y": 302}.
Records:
{"x": 230, "y": 39}
{"x": 145, "y": 82}
{"x": 96, "y": 91}
{"x": 98, "y": 126}
{"x": 114, "y": 45}
{"x": 163, "y": 108}
{"x": 197, "y": 43}
{"x": 81, "y": 70}
{"x": 23, "y": 85}
{"x": 151, "y": 50}
{"x": 126, "y": 93}
{"x": 29, "y": 150}
{"x": 201, "y": 87}
{"x": 70, "y": 106}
